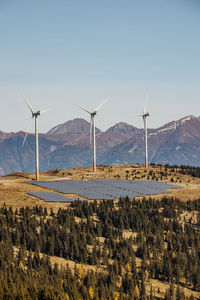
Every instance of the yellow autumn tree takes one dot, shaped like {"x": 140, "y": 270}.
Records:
{"x": 80, "y": 271}
{"x": 66, "y": 296}
{"x": 136, "y": 292}
{"x": 21, "y": 266}
{"x": 91, "y": 292}
{"x": 116, "y": 296}
{"x": 128, "y": 268}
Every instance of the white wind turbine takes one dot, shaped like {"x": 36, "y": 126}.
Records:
{"x": 34, "y": 115}
{"x": 144, "y": 115}
{"x": 92, "y": 128}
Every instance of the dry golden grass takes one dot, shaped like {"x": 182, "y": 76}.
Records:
{"x": 62, "y": 262}
{"x": 159, "y": 289}
{"x": 128, "y": 233}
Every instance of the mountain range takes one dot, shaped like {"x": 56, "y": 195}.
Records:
{"x": 67, "y": 145}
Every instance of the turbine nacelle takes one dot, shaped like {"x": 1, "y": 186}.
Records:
{"x": 36, "y": 114}
{"x": 146, "y": 115}
{"x": 93, "y": 114}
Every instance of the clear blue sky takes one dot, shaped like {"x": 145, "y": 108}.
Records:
{"x": 61, "y": 52}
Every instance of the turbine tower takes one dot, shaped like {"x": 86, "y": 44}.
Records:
{"x": 34, "y": 115}
{"x": 92, "y": 128}
{"x": 144, "y": 115}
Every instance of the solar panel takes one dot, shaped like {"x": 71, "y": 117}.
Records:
{"x": 107, "y": 189}
{"x": 51, "y": 197}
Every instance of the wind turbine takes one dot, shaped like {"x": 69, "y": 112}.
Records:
{"x": 144, "y": 115}
{"x": 34, "y": 115}
{"x": 92, "y": 128}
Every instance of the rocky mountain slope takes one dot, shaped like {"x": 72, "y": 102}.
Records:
{"x": 67, "y": 146}
{"x": 124, "y": 128}
{"x": 73, "y": 126}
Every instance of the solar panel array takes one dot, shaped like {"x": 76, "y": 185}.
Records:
{"x": 51, "y": 197}
{"x": 107, "y": 189}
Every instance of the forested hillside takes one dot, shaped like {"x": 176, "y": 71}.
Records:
{"x": 144, "y": 249}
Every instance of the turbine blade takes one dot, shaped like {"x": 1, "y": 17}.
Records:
{"x": 46, "y": 110}
{"x": 27, "y": 130}
{"x": 98, "y": 107}
{"x": 30, "y": 107}
{"x": 85, "y": 109}
{"x": 145, "y": 104}
{"x": 145, "y": 107}
{"x": 91, "y": 123}
{"x": 140, "y": 115}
